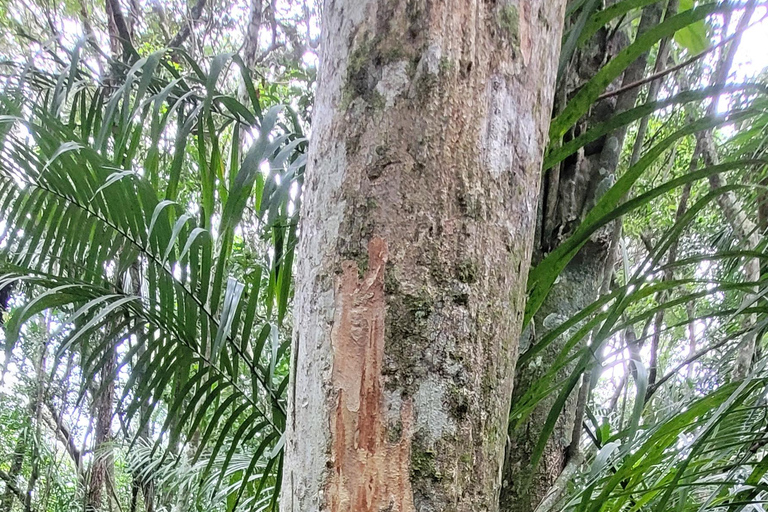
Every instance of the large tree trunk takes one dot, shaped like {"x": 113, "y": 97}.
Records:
{"x": 571, "y": 191}
{"x": 419, "y": 209}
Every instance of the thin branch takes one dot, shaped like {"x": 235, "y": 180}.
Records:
{"x": 744, "y": 228}
{"x": 682, "y": 207}
{"x": 57, "y": 425}
{"x": 689, "y": 360}
{"x": 683, "y": 64}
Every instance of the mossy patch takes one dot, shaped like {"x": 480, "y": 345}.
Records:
{"x": 509, "y": 22}
{"x": 364, "y": 69}
{"x": 357, "y": 228}
{"x": 358, "y": 83}
{"x": 406, "y": 335}
{"x": 446, "y": 66}
{"x": 425, "y": 84}
{"x": 460, "y": 298}
{"x": 420, "y": 306}
{"x": 395, "y": 432}
{"x": 466, "y": 271}
{"x": 423, "y": 465}
{"x": 362, "y": 265}
{"x": 469, "y": 205}
{"x": 458, "y": 403}
{"x": 391, "y": 283}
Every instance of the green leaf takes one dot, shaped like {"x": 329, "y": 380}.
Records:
{"x": 694, "y": 37}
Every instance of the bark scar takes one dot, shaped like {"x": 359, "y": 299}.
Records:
{"x": 369, "y": 472}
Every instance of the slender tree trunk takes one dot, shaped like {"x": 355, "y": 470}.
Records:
{"x": 570, "y": 193}
{"x": 140, "y": 482}
{"x": 420, "y": 199}
{"x": 14, "y": 471}
{"x": 744, "y": 228}
{"x": 102, "y": 465}
{"x": 251, "y": 44}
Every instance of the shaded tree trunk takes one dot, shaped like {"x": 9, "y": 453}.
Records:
{"x": 251, "y": 44}
{"x": 419, "y": 210}
{"x": 11, "y": 490}
{"x": 103, "y": 463}
{"x": 120, "y": 27}
{"x": 570, "y": 192}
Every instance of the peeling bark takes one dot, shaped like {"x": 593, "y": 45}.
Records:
{"x": 370, "y": 472}
{"x": 419, "y": 208}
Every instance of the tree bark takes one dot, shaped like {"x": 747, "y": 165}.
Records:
{"x": 120, "y": 31}
{"x": 11, "y": 489}
{"x": 419, "y": 209}
{"x": 103, "y": 462}
{"x": 251, "y": 44}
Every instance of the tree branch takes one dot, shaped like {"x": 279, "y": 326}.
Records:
{"x": 123, "y": 34}
{"x": 683, "y": 64}
{"x": 66, "y": 436}
{"x": 10, "y": 484}
{"x": 689, "y": 360}
{"x": 184, "y": 33}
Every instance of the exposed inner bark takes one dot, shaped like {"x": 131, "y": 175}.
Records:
{"x": 370, "y": 471}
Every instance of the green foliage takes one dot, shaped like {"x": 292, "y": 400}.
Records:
{"x": 694, "y": 37}
{"x": 678, "y": 442}
{"x": 130, "y": 206}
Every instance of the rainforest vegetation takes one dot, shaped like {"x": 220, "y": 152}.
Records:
{"x": 368, "y": 255}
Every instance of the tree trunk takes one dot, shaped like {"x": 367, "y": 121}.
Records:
{"x": 103, "y": 462}
{"x": 743, "y": 226}
{"x": 575, "y": 187}
{"x": 11, "y": 491}
{"x": 419, "y": 210}
{"x": 251, "y": 44}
